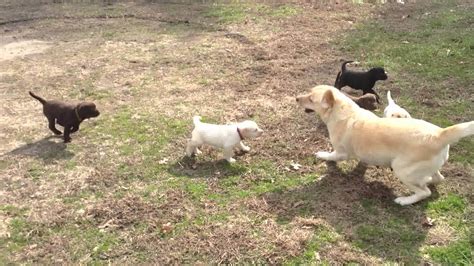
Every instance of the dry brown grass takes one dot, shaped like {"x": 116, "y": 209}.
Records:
{"x": 106, "y": 198}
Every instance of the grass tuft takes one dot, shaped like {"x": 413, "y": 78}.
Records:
{"x": 450, "y": 203}
{"x": 227, "y": 13}
{"x": 457, "y": 253}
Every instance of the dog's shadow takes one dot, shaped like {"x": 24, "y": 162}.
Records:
{"x": 362, "y": 211}
{"x": 49, "y": 149}
{"x": 200, "y": 168}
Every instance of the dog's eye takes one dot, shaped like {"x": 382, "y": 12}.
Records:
{"x": 310, "y": 100}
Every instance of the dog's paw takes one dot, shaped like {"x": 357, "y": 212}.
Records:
{"x": 231, "y": 160}
{"x": 198, "y": 152}
{"x": 405, "y": 200}
{"x": 324, "y": 155}
{"x": 67, "y": 140}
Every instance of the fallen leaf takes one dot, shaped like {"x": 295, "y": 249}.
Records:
{"x": 166, "y": 228}
{"x": 295, "y": 166}
{"x": 317, "y": 257}
{"x": 109, "y": 224}
{"x": 428, "y": 222}
{"x": 163, "y": 161}
{"x": 297, "y": 204}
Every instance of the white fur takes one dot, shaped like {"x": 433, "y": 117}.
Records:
{"x": 413, "y": 148}
{"x": 221, "y": 136}
{"x": 394, "y": 110}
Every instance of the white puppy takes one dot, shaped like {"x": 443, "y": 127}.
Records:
{"x": 222, "y": 136}
{"x": 394, "y": 110}
{"x": 415, "y": 149}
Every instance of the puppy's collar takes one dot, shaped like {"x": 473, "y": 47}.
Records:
{"x": 77, "y": 115}
{"x": 240, "y": 134}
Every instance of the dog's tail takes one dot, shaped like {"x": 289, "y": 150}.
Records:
{"x": 196, "y": 120}
{"x": 343, "y": 68}
{"x": 389, "y": 98}
{"x": 336, "y": 83}
{"x": 42, "y": 101}
{"x": 454, "y": 133}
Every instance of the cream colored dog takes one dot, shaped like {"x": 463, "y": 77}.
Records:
{"x": 222, "y": 136}
{"x": 415, "y": 149}
{"x": 394, "y": 110}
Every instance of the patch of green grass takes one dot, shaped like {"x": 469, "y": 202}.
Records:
{"x": 86, "y": 90}
{"x": 393, "y": 238}
{"x": 12, "y": 210}
{"x": 70, "y": 165}
{"x": 77, "y": 199}
{"x": 457, "y": 253}
{"x": 234, "y": 13}
{"x": 256, "y": 179}
{"x": 109, "y": 34}
{"x": 4, "y": 164}
{"x": 451, "y": 209}
{"x": 450, "y": 203}
{"x": 35, "y": 171}
{"x": 227, "y": 13}
{"x": 284, "y": 11}
{"x": 89, "y": 241}
{"x": 462, "y": 152}
{"x": 19, "y": 237}
{"x": 322, "y": 237}
{"x": 196, "y": 189}
{"x": 369, "y": 206}
{"x": 235, "y": 181}
{"x": 143, "y": 134}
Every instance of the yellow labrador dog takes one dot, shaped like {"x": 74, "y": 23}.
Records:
{"x": 415, "y": 149}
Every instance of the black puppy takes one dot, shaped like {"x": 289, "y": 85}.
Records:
{"x": 364, "y": 81}
{"x": 67, "y": 115}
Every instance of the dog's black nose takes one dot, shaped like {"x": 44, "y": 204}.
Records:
{"x": 297, "y": 99}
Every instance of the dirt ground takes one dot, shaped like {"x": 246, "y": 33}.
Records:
{"x": 122, "y": 191}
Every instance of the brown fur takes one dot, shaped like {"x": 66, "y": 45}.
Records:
{"x": 67, "y": 115}
{"x": 367, "y": 101}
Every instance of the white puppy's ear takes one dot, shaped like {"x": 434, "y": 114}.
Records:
{"x": 328, "y": 100}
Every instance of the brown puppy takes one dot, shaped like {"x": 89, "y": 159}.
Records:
{"x": 367, "y": 101}
{"x": 67, "y": 115}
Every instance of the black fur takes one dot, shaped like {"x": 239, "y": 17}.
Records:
{"x": 364, "y": 81}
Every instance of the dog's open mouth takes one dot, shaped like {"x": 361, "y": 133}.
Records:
{"x": 308, "y": 110}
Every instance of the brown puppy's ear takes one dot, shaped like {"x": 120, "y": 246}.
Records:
{"x": 328, "y": 100}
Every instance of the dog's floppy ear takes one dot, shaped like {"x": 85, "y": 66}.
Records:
{"x": 328, "y": 100}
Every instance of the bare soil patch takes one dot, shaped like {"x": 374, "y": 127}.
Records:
{"x": 12, "y": 50}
